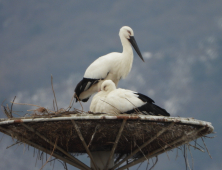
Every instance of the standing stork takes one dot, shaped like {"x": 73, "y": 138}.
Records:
{"x": 117, "y": 101}
{"x": 112, "y": 66}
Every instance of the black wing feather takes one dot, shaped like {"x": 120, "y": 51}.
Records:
{"x": 84, "y": 85}
{"x": 149, "y": 108}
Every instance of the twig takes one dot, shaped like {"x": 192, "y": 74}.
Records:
{"x": 51, "y": 153}
{"x": 80, "y": 111}
{"x": 71, "y": 103}
{"x": 54, "y": 93}
{"x": 97, "y": 126}
{"x": 16, "y": 114}
{"x": 164, "y": 148}
{"x": 210, "y": 137}
{"x": 142, "y": 153}
{"x": 17, "y": 142}
{"x": 63, "y": 164}
{"x": 196, "y": 148}
{"x": 154, "y": 163}
{"x": 191, "y": 156}
{"x": 53, "y": 165}
{"x": 112, "y": 106}
{"x": 136, "y": 108}
{"x": 53, "y": 103}
{"x": 5, "y": 110}
{"x": 206, "y": 148}
{"x": 185, "y": 157}
{"x": 12, "y": 106}
{"x": 176, "y": 154}
{"x": 66, "y": 168}
{"x": 26, "y": 104}
{"x": 79, "y": 101}
{"x": 199, "y": 145}
{"x": 2, "y": 137}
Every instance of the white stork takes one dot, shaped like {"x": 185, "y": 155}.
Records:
{"x": 112, "y": 66}
{"x": 117, "y": 101}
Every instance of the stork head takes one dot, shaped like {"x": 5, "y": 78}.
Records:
{"x": 108, "y": 85}
{"x": 128, "y": 33}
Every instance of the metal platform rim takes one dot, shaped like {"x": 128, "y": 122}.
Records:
{"x": 161, "y": 119}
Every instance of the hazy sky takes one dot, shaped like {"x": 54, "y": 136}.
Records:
{"x": 181, "y": 42}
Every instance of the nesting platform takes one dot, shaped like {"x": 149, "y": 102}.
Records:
{"x": 135, "y": 137}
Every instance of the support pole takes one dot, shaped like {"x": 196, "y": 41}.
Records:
{"x": 101, "y": 158}
{"x": 115, "y": 144}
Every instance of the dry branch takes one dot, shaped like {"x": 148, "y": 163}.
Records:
{"x": 79, "y": 101}
{"x": 51, "y": 153}
{"x": 206, "y": 148}
{"x": 54, "y": 93}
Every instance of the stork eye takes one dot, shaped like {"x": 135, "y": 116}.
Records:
{"x": 129, "y": 32}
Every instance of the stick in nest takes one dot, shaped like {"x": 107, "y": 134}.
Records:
{"x": 17, "y": 142}
{"x": 112, "y": 106}
{"x": 195, "y": 147}
{"x": 154, "y": 163}
{"x": 6, "y": 110}
{"x": 136, "y": 109}
{"x": 51, "y": 153}
{"x": 71, "y": 103}
{"x": 39, "y": 109}
{"x": 54, "y": 93}
{"x": 79, "y": 101}
{"x": 12, "y": 106}
{"x": 142, "y": 153}
{"x": 206, "y": 148}
{"x": 97, "y": 126}
{"x": 191, "y": 155}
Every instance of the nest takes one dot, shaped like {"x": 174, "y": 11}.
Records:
{"x": 105, "y": 131}
{"x": 141, "y": 137}
{"x": 133, "y": 138}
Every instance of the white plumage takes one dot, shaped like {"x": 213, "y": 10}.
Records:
{"x": 117, "y": 101}
{"x": 112, "y": 66}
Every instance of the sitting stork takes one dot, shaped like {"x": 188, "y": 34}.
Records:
{"x": 112, "y": 66}
{"x": 119, "y": 101}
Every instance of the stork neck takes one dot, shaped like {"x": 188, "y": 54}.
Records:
{"x": 126, "y": 58}
{"x": 127, "y": 49}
